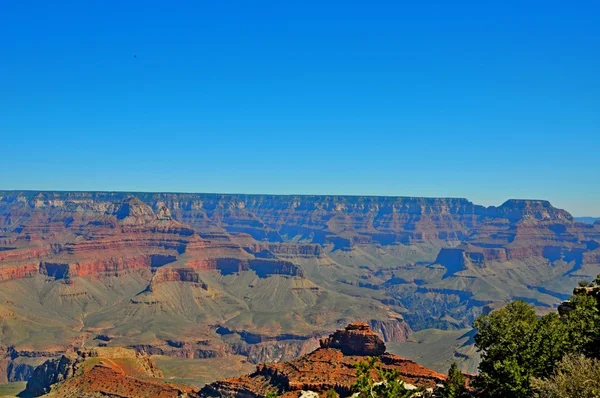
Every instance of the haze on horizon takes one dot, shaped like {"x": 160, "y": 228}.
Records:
{"x": 486, "y": 102}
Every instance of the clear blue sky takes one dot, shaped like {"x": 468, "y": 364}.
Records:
{"x": 484, "y": 100}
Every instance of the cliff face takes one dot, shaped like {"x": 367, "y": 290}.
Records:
{"x": 51, "y": 372}
{"x": 515, "y": 230}
{"x": 391, "y": 330}
{"x": 18, "y": 365}
{"x": 18, "y": 271}
{"x": 317, "y": 219}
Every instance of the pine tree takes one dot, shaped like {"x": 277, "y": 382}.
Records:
{"x": 454, "y": 386}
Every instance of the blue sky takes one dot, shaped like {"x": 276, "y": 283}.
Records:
{"x": 482, "y": 100}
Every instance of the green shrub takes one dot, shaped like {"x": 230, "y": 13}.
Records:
{"x": 574, "y": 377}
{"x": 387, "y": 385}
{"x": 515, "y": 346}
{"x": 331, "y": 394}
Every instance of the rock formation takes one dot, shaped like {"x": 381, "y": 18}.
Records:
{"x": 593, "y": 290}
{"x": 102, "y": 372}
{"x": 329, "y": 367}
{"x": 355, "y": 339}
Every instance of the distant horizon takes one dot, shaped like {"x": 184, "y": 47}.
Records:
{"x": 233, "y": 193}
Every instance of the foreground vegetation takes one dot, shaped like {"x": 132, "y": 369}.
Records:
{"x": 523, "y": 355}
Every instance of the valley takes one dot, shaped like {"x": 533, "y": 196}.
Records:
{"x": 238, "y": 280}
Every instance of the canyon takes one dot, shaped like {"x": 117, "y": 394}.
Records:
{"x": 264, "y": 278}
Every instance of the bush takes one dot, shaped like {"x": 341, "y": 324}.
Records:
{"x": 575, "y": 377}
{"x": 388, "y": 384}
{"x": 517, "y": 346}
{"x": 583, "y": 325}
{"x": 331, "y": 394}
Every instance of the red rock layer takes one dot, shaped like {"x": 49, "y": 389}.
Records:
{"x": 25, "y": 254}
{"x": 112, "y": 266}
{"x": 18, "y": 272}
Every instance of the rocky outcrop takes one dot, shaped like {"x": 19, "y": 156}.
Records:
{"x": 275, "y": 351}
{"x": 330, "y": 367}
{"x": 519, "y": 209}
{"x": 454, "y": 259}
{"x": 263, "y": 267}
{"x": 133, "y": 211}
{"x": 177, "y": 274}
{"x": 259, "y": 348}
{"x": 101, "y": 372}
{"x": 355, "y": 339}
{"x": 51, "y": 372}
{"x": 19, "y": 371}
{"x": 16, "y": 365}
{"x": 593, "y": 290}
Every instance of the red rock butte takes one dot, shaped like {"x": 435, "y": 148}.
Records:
{"x": 355, "y": 339}
{"x": 330, "y": 367}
